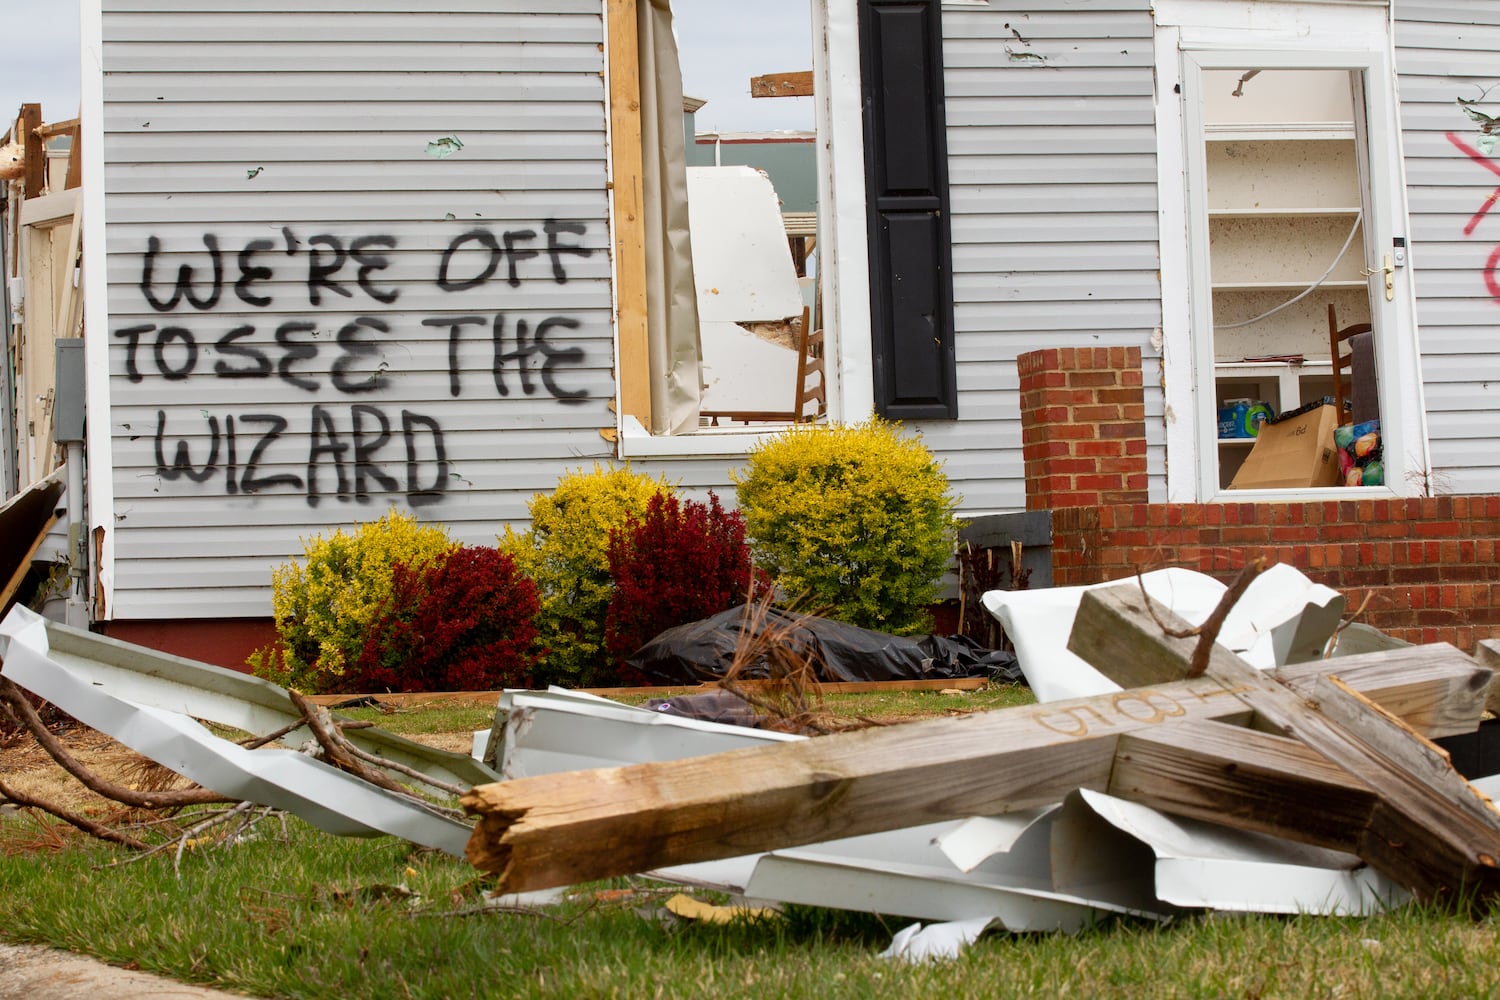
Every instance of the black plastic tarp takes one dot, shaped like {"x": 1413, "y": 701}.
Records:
{"x": 702, "y": 651}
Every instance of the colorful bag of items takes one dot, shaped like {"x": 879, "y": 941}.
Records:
{"x": 1359, "y": 450}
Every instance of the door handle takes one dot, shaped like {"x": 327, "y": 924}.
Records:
{"x": 1389, "y": 270}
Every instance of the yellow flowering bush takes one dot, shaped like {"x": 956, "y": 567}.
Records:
{"x": 853, "y": 520}
{"x": 324, "y": 608}
{"x": 566, "y": 554}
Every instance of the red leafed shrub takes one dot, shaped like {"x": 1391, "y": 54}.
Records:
{"x": 462, "y": 623}
{"x": 682, "y": 562}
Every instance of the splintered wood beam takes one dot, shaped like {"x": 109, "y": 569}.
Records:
{"x": 1436, "y": 689}
{"x": 34, "y": 156}
{"x": 560, "y": 829}
{"x": 565, "y": 828}
{"x": 1428, "y": 830}
{"x": 782, "y": 85}
{"x": 1245, "y": 779}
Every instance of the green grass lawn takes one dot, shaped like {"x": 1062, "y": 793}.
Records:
{"x": 293, "y": 912}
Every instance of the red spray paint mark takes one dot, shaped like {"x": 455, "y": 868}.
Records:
{"x": 1489, "y": 202}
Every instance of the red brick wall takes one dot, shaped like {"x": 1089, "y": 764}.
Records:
{"x": 1431, "y": 565}
{"x": 1083, "y": 426}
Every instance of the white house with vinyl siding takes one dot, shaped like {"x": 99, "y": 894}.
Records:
{"x": 344, "y": 254}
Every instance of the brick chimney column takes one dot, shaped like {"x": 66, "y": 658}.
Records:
{"x": 1083, "y": 427}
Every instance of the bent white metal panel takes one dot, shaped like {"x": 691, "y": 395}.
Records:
{"x": 324, "y": 796}
{"x": 176, "y": 684}
{"x": 1204, "y": 865}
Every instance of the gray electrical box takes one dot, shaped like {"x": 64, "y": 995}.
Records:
{"x": 67, "y": 401}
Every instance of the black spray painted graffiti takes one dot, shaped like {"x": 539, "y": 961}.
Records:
{"x": 358, "y": 448}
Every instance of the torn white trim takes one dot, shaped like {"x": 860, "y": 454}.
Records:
{"x": 1199, "y": 864}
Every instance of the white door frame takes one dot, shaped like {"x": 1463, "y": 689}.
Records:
{"x": 1193, "y": 35}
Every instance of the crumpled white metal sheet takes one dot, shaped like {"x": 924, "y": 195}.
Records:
{"x": 1283, "y": 617}
{"x": 326, "y": 797}
{"x": 176, "y": 684}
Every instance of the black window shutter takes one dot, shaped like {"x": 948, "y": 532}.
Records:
{"x": 906, "y": 177}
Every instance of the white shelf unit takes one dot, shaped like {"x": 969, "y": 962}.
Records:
{"x": 1282, "y": 202}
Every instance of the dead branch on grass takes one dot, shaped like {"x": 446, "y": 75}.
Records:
{"x": 345, "y": 756}
{"x": 160, "y": 799}
{"x": 71, "y": 818}
{"x": 789, "y": 691}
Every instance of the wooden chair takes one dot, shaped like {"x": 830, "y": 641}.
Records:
{"x": 812, "y": 385}
{"x": 1342, "y": 362}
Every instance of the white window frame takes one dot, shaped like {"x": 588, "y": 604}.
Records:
{"x": 1193, "y": 35}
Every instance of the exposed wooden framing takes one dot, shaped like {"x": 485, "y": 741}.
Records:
{"x": 75, "y": 160}
{"x": 52, "y": 129}
{"x": 632, "y": 366}
{"x": 565, "y": 828}
{"x": 34, "y": 177}
{"x": 782, "y": 84}
{"x": 18, "y": 574}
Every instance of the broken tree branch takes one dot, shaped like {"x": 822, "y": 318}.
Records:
{"x": 73, "y": 819}
{"x": 340, "y": 753}
{"x": 335, "y": 748}
{"x": 410, "y": 772}
{"x": 1208, "y": 631}
{"x": 208, "y": 824}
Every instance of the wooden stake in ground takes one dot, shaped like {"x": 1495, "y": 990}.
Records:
{"x": 566, "y": 828}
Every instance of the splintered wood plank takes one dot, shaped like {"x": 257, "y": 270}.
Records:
{"x": 565, "y": 828}
{"x": 1437, "y": 689}
{"x": 1421, "y": 833}
{"x": 782, "y": 84}
{"x": 34, "y": 156}
{"x": 1245, "y": 779}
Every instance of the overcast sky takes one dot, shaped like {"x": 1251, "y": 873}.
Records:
{"x": 40, "y": 64}
{"x": 723, "y": 45}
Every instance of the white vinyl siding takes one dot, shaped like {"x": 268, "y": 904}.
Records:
{"x": 1447, "y": 51}
{"x": 1052, "y": 171}
{"x": 298, "y": 129}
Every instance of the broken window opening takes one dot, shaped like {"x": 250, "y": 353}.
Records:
{"x": 729, "y": 224}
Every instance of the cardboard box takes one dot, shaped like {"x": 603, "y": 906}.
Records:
{"x": 1292, "y": 454}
